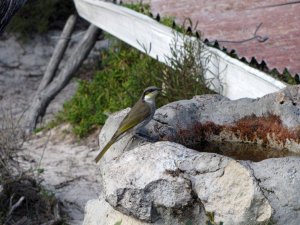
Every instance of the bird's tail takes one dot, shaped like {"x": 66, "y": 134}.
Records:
{"x": 104, "y": 150}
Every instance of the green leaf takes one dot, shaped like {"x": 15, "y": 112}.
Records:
{"x": 118, "y": 223}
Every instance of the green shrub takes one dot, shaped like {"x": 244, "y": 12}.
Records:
{"x": 126, "y": 72}
{"x": 124, "y": 75}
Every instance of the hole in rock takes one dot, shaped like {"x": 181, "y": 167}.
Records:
{"x": 242, "y": 151}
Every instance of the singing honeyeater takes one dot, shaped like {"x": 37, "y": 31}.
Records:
{"x": 139, "y": 115}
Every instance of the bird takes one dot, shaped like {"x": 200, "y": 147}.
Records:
{"x": 7, "y": 9}
{"x": 139, "y": 115}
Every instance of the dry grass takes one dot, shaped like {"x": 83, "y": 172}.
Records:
{"x": 24, "y": 201}
{"x": 12, "y": 137}
{"x": 22, "y": 198}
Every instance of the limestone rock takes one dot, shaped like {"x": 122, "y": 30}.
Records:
{"x": 221, "y": 110}
{"x": 168, "y": 182}
{"x": 280, "y": 181}
{"x": 228, "y": 189}
{"x": 177, "y": 117}
{"x": 99, "y": 212}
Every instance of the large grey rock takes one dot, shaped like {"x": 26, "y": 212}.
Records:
{"x": 279, "y": 179}
{"x": 171, "y": 120}
{"x": 150, "y": 182}
{"x": 221, "y": 110}
{"x": 148, "y": 196}
{"x": 99, "y": 212}
{"x": 166, "y": 183}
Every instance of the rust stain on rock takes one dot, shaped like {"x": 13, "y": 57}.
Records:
{"x": 254, "y": 128}
{"x": 251, "y": 129}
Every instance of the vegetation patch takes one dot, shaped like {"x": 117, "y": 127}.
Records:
{"x": 24, "y": 201}
{"x": 123, "y": 75}
{"x": 199, "y": 133}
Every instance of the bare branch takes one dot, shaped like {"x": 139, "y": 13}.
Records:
{"x": 43, "y": 98}
{"x": 13, "y": 207}
{"x": 58, "y": 52}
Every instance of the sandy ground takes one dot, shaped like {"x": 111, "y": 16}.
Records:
{"x": 68, "y": 166}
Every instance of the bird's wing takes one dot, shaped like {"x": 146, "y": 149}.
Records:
{"x": 139, "y": 113}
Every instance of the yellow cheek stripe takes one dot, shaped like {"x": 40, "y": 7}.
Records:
{"x": 149, "y": 96}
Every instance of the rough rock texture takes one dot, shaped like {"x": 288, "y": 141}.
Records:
{"x": 163, "y": 182}
{"x": 221, "y": 110}
{"x": 170, "y": 119}
{"x": 180, "y": 181}
{"x": 279, "y": 179}
{"x": 99, "y": 212}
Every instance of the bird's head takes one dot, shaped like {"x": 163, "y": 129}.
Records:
{"x": 150, "y": 93}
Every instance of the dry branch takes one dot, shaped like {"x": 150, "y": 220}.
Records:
{"x": 58, "y": 52}
{"x": 13, "y": 207}
{"x": 43, "y": 98}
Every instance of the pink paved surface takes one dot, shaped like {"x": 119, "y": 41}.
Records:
{"x": 236, "y": 20}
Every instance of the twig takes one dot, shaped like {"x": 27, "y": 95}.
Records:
{"x": 276, "y": 5}
{"x": 255, "y": 37}
{"x": 57, "y": 218}
{"x": 22, "y": 221}
{"x": 13, "y": 207}
{"x": 67, "y": 182}
{"x": 44, "y": 149}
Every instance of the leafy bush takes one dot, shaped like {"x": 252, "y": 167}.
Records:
{"x": 126, "y": 72}
{"x": 185, "y": 78}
